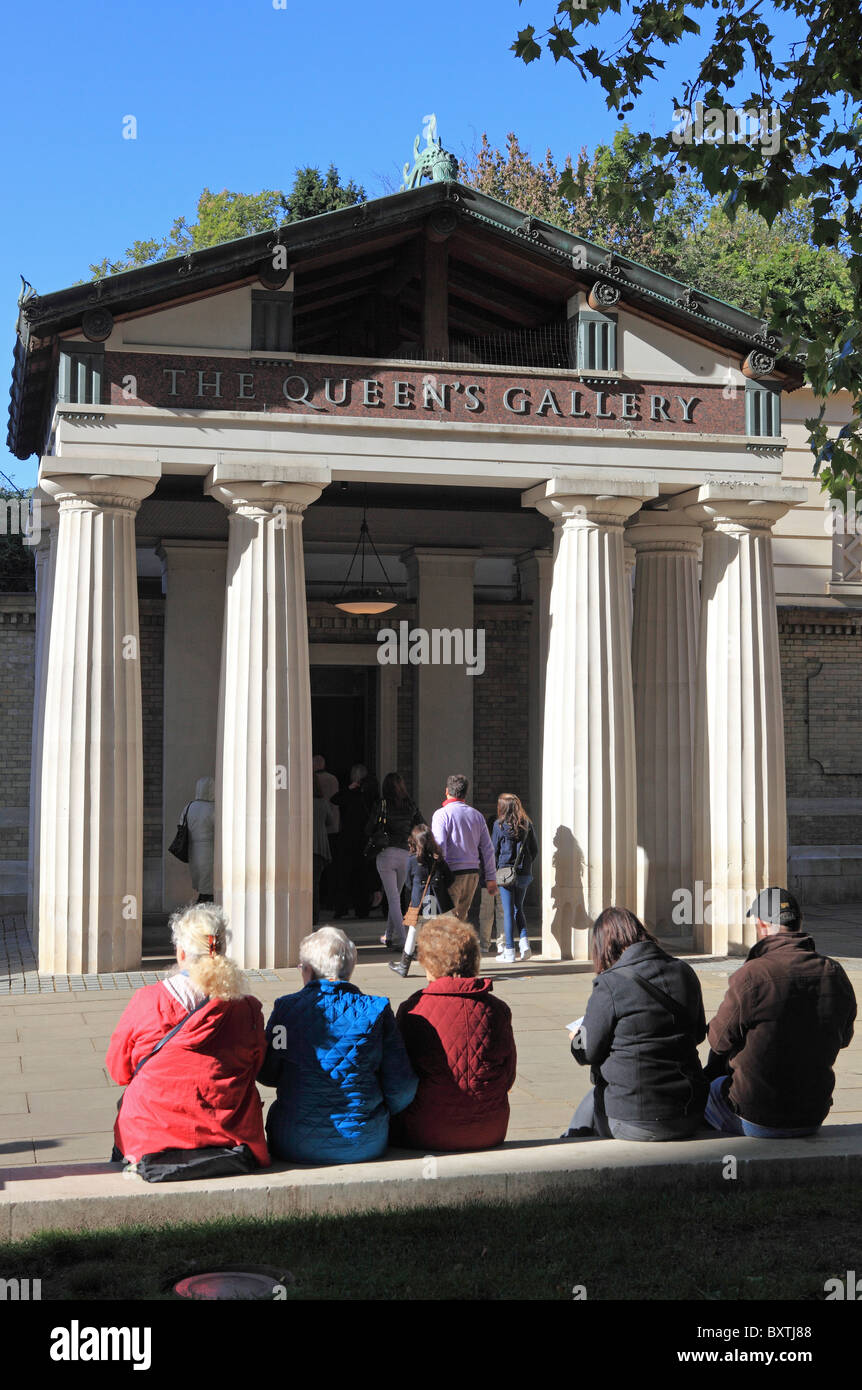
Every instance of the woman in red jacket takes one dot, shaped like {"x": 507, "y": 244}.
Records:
{"x": 198, "y": 1091}
{"x": 460, "y": 1042}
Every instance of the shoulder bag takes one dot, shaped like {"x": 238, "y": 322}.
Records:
{"x": 507, "y": 876}
{"x": 179, "y": 846}
{"x": 412, "y": 915}
{"x": 379, "y": 839}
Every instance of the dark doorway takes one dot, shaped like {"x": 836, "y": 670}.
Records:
{"x": 344, "y": 716}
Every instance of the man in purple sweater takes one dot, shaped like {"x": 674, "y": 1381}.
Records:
{"x": 462, "y": 835}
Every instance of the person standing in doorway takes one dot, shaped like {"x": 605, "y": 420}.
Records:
{"x": 200, "y": 819}
{"x": 393, "y": 817}
{"x": 515, "y": 848}
{"x": 462, "y": 835}
{"x": 324, "y": 817}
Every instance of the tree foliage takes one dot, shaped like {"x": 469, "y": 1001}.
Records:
{"x": 741, "y": 260}
{"x": 811, "y": 92}
{"x": 226, "y": 216}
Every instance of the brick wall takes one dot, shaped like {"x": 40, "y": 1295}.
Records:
{"x": 152, "y": 628}
{"x": 17, "y": 659}
{"x": 501, "y": 707}
{"x": 821, "y": 678}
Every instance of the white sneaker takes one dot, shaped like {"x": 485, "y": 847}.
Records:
{"x": 524, "y": 947}
{"x": 505, "y": 957}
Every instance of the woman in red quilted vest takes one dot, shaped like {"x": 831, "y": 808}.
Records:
{"x": 460, "y": 1042}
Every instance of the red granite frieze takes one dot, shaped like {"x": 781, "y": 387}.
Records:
{"x": 461, "y": 395}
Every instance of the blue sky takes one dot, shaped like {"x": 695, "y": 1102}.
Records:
{"x": 237, "y": 94}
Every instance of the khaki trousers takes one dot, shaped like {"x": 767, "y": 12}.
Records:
{"x": 461, "y": 891}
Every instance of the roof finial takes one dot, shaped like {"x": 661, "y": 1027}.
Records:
{"x": 433, "y": 162}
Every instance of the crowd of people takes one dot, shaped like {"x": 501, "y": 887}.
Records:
{"x": 352, "y": 1078}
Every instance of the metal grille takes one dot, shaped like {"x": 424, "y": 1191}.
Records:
{"x": 552, "y": 345}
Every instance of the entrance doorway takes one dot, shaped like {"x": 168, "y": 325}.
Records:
{"x": 344, "y": 716}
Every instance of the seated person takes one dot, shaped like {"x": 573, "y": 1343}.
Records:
{"x": 787, "y": 1013}
{"x": 459, "y": 1040}
{"x": 336, "y": 1059}
{"x": 640, "y": 1034}
{"x": 198, "y": 1090}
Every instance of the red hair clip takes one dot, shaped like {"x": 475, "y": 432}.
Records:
{"x": 212, "y": 942}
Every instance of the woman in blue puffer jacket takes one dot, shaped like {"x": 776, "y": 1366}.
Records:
{"x": 337, "y": 1060}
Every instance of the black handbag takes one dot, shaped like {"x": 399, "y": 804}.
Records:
{"x": 186, "y": 1165}
{"x": 179, "y": 846}
{"x": 379, "y": 840}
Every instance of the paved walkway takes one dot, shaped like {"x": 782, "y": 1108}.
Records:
{"x": 57, "y": 1101}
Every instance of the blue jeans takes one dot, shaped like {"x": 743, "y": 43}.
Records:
{"x": 722, "y": 1117}
{"x": 513, "y": 909}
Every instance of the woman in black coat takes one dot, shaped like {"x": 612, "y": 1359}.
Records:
{"x": 428, "y": 880}
{"x": 639, "y": 1035}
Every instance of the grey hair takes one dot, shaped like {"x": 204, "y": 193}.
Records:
{"x": 328, "y": 953}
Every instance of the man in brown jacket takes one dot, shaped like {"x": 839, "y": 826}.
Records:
{"x": 786, "y": 1015}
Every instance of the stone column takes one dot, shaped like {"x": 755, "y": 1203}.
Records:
{"x": 535, "y": 568}
{"x": 45, "y": 556}
{"x": 740, "y": 826}
{"x": 442, "y": 581}
{"x": 91, "y": 799}
{"x": 629, "y": 557}
{"x": 263, "y": 869}
{"x": 589, "y": 811}
{"x": 664, "y": 668}
{"x": 194, "y": 613}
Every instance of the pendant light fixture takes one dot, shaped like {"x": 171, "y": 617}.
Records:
{"x": 365, "y": 596}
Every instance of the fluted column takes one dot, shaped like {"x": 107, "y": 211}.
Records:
{"x": 589, "y": 815}
{"x": 91, "y": 798}
{"x": 45, "y": 557}
{"x": 740, "y": 824}
{"x": 263, "y": 845}
{"x": 629, "y": 557}
{"x": 664, "y": 670}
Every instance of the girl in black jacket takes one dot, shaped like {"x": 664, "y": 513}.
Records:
{"x": 639, "y": 1034}
{"x": 428, "y": 878}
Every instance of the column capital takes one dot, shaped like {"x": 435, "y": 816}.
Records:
{"x": 740, "y": 506}
{"x": 597, "y": 501}
{"x": 107, "y": 489}
{"x": 256, "y": 489}
{"x": 671, "y": 533}
{"x": 453, "y": 561}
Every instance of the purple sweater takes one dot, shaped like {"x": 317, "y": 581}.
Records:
{"x": 462, "y": 835}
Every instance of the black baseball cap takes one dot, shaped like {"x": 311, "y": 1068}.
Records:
{"x": 778, "y": 907}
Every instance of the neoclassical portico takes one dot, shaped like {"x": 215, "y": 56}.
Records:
{"x": 599, "y": 422}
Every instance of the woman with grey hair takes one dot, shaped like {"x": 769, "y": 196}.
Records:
{"x": 336, "y": 1059}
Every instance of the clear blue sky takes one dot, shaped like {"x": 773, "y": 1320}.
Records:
{"x": 237, "y": 94}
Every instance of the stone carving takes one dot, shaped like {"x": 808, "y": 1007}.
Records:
{"x": 759, "y": 362}
{"x": 432, "y": 162}
{"x": 97, "y": 324}
{"x": 603, "y": 295}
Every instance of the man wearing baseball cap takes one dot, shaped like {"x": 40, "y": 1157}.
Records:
{"x": 786, "y": 1015}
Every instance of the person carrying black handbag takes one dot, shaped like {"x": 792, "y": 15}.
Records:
{"x": 389, "y": 826}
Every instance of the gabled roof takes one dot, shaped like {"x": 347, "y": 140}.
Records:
{"x": 540, "y": 262}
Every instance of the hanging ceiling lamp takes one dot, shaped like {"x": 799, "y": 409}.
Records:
{"x": 365, "y": 596}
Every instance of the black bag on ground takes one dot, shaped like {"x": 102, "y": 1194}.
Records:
{"x": 187, "y": 1165}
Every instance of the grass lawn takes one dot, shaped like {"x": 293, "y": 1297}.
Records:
{"x": 774, "y": 1243}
